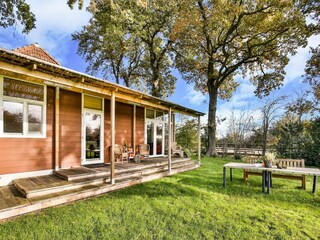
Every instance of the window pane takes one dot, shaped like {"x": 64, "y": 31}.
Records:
{"x": 159, "y": 138}
{"x": 34, "y": 118}
{"x": 149, "y": 113}
{"x": 159, "y": 115}
{"x": 19, "y": 89}
{"x": 150, "y": 134}
{"x": 92, "y": 102}
{"x": 12, "y": 117}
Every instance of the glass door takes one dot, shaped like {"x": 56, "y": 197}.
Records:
{"x": 93, "y": 140}
{"x": 155, "y": 137}
{"x": 159, "y": 138}
{"x": 150, "y": 136}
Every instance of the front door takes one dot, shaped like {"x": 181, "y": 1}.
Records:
{"x": 155, "y": 137}
{"x": 92, "y": 137}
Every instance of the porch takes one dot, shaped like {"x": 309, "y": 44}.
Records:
{"x": 68, "y": 185}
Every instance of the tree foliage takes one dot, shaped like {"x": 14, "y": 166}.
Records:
{"x": 313, "y": 72}
{"x": 311, "y": 8}
{"x": 13, "y": 12}
{"x": 186, "y": 135}
{"x": 219, "y": 39}
{"x": 131, "y": 41}
{"x": 298, "y": 140}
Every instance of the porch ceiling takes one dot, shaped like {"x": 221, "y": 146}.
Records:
{"x": 36, "y": 68}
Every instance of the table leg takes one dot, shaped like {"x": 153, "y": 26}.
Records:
{"x": 263, "y": 181}
{"x": 269, "y": 182}
{"x": 224, "y": 177}
{"x": 314, "y": 184}
{"x": 231, "y": 174}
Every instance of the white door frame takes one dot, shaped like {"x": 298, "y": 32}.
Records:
{"x": 155, "y": 123}
{"x": 84, "y": 161}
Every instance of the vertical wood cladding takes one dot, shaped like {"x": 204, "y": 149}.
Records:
{"x": 124, "y": 122}
{"x": 30, "y": 154}
{"x": 124, "y": 125}
{"x": 139, "y": 126}
{"x": 70, "y": 129}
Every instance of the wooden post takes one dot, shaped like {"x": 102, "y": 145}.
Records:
{"x": 112, "y": 130}
{"x": 57, "y": 130}
{"x": 173, "y": 127}
{"x": 170, "y": 139}
{"x": 134, "y": 129}
{"x": 199, "y": 141}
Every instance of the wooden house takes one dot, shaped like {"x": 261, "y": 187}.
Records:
{"x": 52, "y": 117}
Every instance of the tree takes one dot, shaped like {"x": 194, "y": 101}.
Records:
{"x": 238, "y": 130}
{"x": 269, "y": 113}
{"x": 13, "y": 12}
{"x": 312, "y": 70}
{"x": 219, "y": 39}
{"x": 131, "y": 40}
{"x": 186, "y": 135}
{"x": 300, "y": 106}
{"x": 291, "y": 140}
{"x": 311, "y": 9}
{"x": 110, "y": 49}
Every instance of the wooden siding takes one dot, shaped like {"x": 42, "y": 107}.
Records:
{"x": 139, "y": 126}
{"x": 30, "y": 154}
{"x": 70, "y": 129}
{"x": 124, "y": 125}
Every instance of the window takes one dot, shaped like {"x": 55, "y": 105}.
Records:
{"x": 12, "y": 117}
{"x": 92, "y": 102}
{"x": 34, "y": 118}
{"x": 149, "y": 113}
{"x": 23, "y": 108}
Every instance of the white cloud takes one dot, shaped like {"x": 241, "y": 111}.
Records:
{"x": 55, "y": 22}
{"x": 194, "y": 97}
{"x": 295, "y": 68}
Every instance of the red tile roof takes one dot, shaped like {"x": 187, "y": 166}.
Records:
{"x": 34, "y": 50}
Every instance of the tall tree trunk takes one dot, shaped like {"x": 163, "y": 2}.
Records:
{"x": 212, "y": 126}
{"x": 155, "y": 90}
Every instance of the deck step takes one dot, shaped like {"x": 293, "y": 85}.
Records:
{"x": 67, "y": 196}
{"x": 29, "y": 191}
{"x": 78, "y": 173}
{"x": 53, "y": 184}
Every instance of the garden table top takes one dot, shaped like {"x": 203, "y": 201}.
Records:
{"x": 267, "y": 172}
{"x": 289, "y": 170}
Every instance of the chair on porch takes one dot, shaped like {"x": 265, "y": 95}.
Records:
{"x": 144, "y": 150}
{"x": 177, "y": 150}
{"x": 119, "y": 153}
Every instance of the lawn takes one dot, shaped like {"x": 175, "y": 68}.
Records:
{"x": 191, "y": 205}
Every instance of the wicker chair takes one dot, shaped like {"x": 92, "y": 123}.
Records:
{"x": 177, "y": 150}
{"x": 144, "y": 150}
{"x": 119, "y": 154}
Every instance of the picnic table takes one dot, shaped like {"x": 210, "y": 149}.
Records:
{"x": 267, "y": 173}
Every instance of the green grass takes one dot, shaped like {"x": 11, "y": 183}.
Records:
{"x": 191, "y": 205}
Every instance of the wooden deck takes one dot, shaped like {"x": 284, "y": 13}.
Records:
{"x": 67, "y": 185}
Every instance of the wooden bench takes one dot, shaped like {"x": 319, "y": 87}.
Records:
{"x": 283, "y": 162}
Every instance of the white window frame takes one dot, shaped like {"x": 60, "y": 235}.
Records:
{"x": 155, "y": 122}
{"x": 25, "y": 131}
{"x": 83, "y": 131}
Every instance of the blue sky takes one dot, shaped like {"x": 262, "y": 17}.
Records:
{"x": 56, "y": 22}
